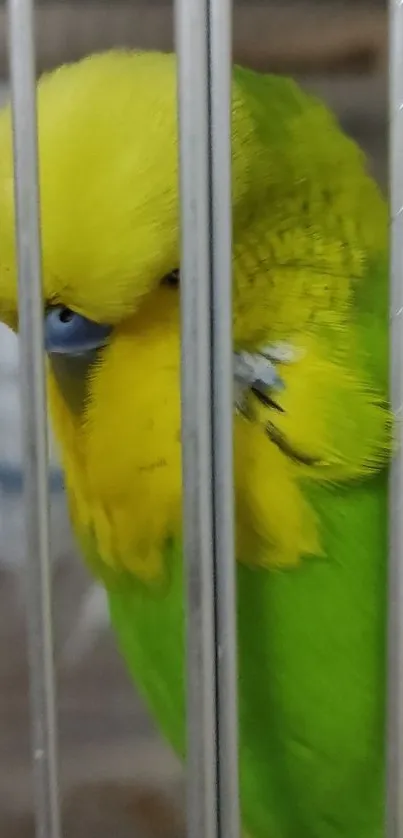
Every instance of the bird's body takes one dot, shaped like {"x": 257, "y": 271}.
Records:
{"x": 310, "y": 270}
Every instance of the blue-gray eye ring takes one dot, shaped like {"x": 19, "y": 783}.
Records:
{"x": 69, "y": 333}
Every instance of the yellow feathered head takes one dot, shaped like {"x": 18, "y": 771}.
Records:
{"x": 108, "y": 184}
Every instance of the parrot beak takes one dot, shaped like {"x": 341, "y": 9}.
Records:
{"x": 72, "y": 375}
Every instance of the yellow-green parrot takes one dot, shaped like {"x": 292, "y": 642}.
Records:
{"x": 312, "y": 424}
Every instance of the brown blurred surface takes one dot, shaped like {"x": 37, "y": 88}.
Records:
{"x": 116, "y": 775}
{"x": 284, "y": 36}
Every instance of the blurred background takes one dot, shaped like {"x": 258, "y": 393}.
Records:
{"x": 117, "y": 777}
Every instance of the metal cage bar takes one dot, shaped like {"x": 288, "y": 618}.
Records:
{"x": 395, "y": 601}
{"x": 203, "y": 40}
{"x": 33, "y": 396}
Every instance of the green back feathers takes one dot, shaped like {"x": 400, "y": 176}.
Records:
{"x": 313, "y": 221}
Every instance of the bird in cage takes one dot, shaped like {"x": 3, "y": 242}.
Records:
{"x": 312, "y": 422}
{"x": 91, "y": 619}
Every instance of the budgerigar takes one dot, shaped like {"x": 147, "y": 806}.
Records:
{"x": 312, "y": 424}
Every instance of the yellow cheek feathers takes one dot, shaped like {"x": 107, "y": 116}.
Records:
{"x": 123, "y": 456}
{"x": 122, "y": 459}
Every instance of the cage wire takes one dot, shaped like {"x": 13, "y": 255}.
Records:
{"x": 203, "y": 41}
{"x": 395, "y": 613}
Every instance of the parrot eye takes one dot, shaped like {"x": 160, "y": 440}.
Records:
{"x": 69, "y": 333}
{"x": 172, "y": 279}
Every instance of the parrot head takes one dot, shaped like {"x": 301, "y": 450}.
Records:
{"x": 308, "y": 225}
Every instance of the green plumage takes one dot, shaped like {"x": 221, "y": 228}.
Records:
{"x": 311, "y": 680}
{"x": 311, "y": 640}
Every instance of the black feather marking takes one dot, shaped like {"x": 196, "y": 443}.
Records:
{"x": 266, "y": 400}
{"x": 299, "y": 457}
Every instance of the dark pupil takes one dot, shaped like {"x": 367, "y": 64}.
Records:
{"x": 65, "y": 315}
{"x": 172, "y": 279}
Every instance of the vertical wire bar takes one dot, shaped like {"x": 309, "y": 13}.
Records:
{"x": 203, "y": 35}
{"x": 198, "y": 529}
{"x": 220, "y": 25}
{"x": 394, "y": 814}
{"x": 33, "y": 396}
